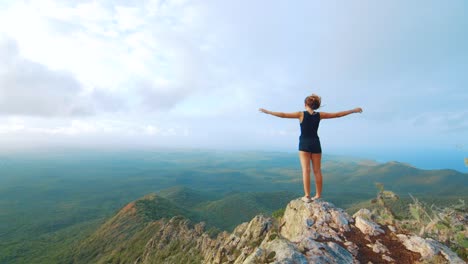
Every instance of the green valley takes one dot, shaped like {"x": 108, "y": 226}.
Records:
{"x": 51, "y": 201}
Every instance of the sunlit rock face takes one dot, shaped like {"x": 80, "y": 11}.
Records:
{"x": 316, "y": 232}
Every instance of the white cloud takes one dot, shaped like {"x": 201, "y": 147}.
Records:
{"x": 12, "y": 126}
{"x": 152, "y": 130}
{"x": 202, "y": 68}
{"x": 78, "y": 127}
{"x": 109, "y": 47}
{"x": 128, "y": 18}
{"x": 29, "y": 88}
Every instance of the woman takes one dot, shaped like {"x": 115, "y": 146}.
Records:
{"x": 309, "y": 142}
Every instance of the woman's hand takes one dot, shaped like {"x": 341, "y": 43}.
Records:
{"x": 264, "y": 111}
{"x": 357, "y": 110}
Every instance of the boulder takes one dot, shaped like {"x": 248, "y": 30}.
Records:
{"x": 428, "y": 248}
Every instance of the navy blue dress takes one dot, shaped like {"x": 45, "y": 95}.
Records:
{"x": 309, "y": 140}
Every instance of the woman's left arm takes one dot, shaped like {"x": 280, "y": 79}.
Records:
{"x": 281, "y": 114}
{"x": 324, "y": 115}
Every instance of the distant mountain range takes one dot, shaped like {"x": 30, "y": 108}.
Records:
{"x": 399, "y": 177}
{"x": 47, "y": 205}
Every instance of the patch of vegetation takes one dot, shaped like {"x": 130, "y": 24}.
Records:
{"x": 272, "y": 236}
{"x": 233, "y": 209}
{"x": 155, "y": 207}
{"x": 445, "y": 224}
{"x": 265, "y": 257}
{"x": 278, "y": 213}
{"x": 176, "y": 252}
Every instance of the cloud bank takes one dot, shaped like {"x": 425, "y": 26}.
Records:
{"x": 121, "y": 71}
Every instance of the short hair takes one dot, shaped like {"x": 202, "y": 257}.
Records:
{"x": 313, "y": 101}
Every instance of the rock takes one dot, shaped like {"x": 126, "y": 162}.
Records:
{"x": 352, "y": 248}
{"x": 367, "y": 237}
{"x": 296, "y": 212}
{"x": 338, "y": 253}
{"x": 284, "y": 252}
{"x": 316, "y": 232}
{"x": 378, "y": 247}
{"x": 329, "y": 252}
{"x": 200, "y": 228}
{"x": 254, "y": 257}
{"x": 364, "y": 213}
{"x": 318, "y": 219}
{"x": 368, "y": 227}
{"x": 428, "y": 248}
{"x": 364, "y": 222}
{"x": 387, "y": 258}
{"x": 255, "y": 230}
{"x": 420, "y": 245}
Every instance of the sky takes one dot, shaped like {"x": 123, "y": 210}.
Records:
{"x": 192, "y": 74}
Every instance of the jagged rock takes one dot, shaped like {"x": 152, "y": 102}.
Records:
{"x": 319, "y": 219}
{"x": 428, "y": 248}
{"x": 378, "y": 247}
{"x": 352, "y": 248}
{"x": 329, "y": 252}
{"x": 316, "y": 232}
{"x": 368, "y": 227}
{"x": 364, "y": 213}
{"x": 387, "y": 258}
{"x": 254, "y": 257}
{"x": 283, "y": 251}
{"x": 200, "y": 228}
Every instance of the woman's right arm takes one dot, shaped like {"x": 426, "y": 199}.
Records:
{"x": 281, "y": 114}
{"x": 324, "y": 115}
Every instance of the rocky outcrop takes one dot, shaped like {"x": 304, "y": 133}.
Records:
{"x": 316, "y": 232}
{"x": 428, "y": 248}
{"x": 317, "y": 220}
{"x": 364, "y": 223}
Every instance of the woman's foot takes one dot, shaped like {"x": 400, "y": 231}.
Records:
{"x": 306, "y": 199}
{"x": 315, "y": 198}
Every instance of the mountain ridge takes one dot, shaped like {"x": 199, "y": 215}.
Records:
{"x": 316, "y": 232}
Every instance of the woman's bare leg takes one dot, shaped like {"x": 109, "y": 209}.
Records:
{"x": 317, "y": 166}
{"x": 305, "y": 164}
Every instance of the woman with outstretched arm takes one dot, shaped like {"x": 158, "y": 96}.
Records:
{"x": 310, "y": 149}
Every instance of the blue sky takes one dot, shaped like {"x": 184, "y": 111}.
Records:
{"x": 192, "y": 74}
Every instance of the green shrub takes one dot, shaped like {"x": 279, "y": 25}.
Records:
{"x": 278, "y": 213}
{"x": 272, "y": 237}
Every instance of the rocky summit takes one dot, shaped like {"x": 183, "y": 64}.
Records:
{"x": 145, "y": 232}
{"x": 316, "y": 232}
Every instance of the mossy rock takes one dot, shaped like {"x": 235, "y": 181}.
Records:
{"x": 278, "y": 213}
{"x": 272, "y": 237}
{"x": 271, "y": 256}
